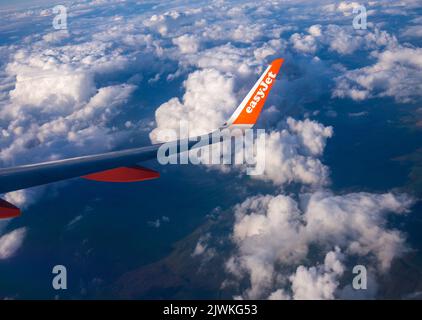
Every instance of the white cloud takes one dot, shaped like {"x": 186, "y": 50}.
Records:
{"x": 291, "y": 155}
{"x": 304, "y": 43}
{"x": 361, "y": 215}
{"x": 315, "y": 30}
{"x": 71, "y": 224}
{"x": 320, "y": 282}
{"x": 206, "y": 104}
{"x": 271, "y": 48}
{"x": 49, "y": 90}
{"x": 273, "y": 232}
{"x": 311, "y": 134}
{"x": 54, "y": 109}
{"x": 11, "y": 242}
{"x": 225, "y": 58}
{"x": 187, "y": 43}
{"x": 55, "y": 102}
{"x": 247, "y": 33}
{"x": 341, "y": 39}
{"x": 80, "y": 125}
{"x": 412, "y": 32}
{"x": 164, "y": 24}
{"x": 397, "y": 73}
{"x": 201, "y": 247}
{"x": 345, "y": 7}
{"x": 279, "y": 294}
{"x": 157, "y": 223}
{"x": 57, "y": 36}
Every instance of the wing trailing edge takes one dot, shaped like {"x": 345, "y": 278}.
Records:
{"x": 124, "y": 174}
{"x": 8, "y": 210}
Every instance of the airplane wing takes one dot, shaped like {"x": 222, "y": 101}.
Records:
{"x": 121, "y": 166}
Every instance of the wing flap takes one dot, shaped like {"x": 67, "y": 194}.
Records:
{"x": 124, "y": 174}
{"x": 27, "y": 176}
{"x": 8, "y": 210}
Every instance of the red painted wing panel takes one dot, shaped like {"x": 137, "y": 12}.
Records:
{"x": 124, "y": 174}
{"x": 8, "y": 210}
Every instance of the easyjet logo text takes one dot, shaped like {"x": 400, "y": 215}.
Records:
{"x": 261, "y": 91}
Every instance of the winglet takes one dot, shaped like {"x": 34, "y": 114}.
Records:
{"x": 248, "y": 111}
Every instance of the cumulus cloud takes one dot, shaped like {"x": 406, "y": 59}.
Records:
{"x": 164, "y": 23}
{"x": 11, "y": 242}
{"x": 272, "y": 233}
{"x": 291, "y": 155}
{"x": 202, "y": 248}
{"x": 412, "y": 32}
{"x": 270, "y": 48}
{"x": 397, "y": 74}
{"x": 311, "y": 134}
{"x": 49, "y": 90}
{"x": 304, "y": 43}
{"x": 247, "y": 33}
{"x": 78, "y": 126}
{"x": 347, "y": 7}
{"x": 55, "y": 104}
{"x": 187, "y": 43}
{"x": 206, "y": 104}
{"x": 341, "y": 39}
{"x": 225, "y": 58}
{"x": 57, "y": 36}
{"x": 307, "y": 43}
{"x": 54, "y": 107}
{"x": 320, "y": 282}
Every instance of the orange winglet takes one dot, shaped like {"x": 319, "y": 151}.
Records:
{"x": 124, "y": 174}
{"x": 253, "y": 106}
{"x": 8, "y": 210}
